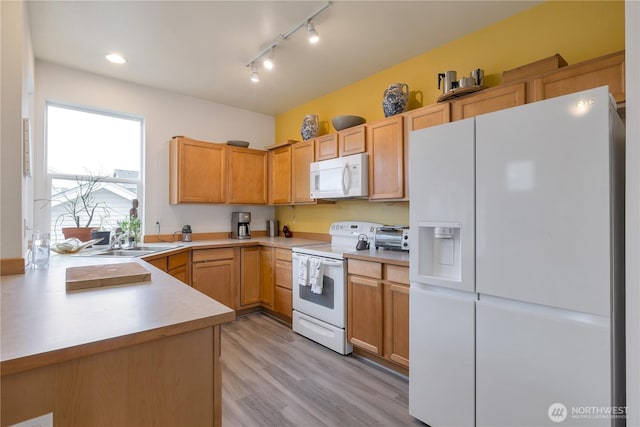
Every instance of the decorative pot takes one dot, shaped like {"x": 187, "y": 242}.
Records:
{"x": 309, "y": 127}
{"x": 395, "y": 99}
{"x": 81, "y": 233}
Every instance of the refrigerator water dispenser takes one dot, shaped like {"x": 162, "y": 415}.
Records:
{"x": 440, "y": 252}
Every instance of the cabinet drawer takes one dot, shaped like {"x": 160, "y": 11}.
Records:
{"x": 283, "y": 274}
{"x": 365, "y": 268}
{"x": 178, "y": 260}
{"x": 283, "y": 254}
{"x": 212, "y": 254}
{"x": 398, "y": 274}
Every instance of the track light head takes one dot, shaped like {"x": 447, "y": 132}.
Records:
{"x": 254, "y": 74}
{"x": 313, "y": 34}
{"x": 268, "y": 61}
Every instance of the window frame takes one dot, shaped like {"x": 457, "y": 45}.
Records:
{"x": 49, "y": 176}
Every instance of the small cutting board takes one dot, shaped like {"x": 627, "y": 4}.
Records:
{"x": 96, "y": 276}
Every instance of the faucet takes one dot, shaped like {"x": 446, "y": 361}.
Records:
{"x": 116, "y": 239}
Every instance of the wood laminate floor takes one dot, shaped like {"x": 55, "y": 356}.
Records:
{"x": 273, "y": 377}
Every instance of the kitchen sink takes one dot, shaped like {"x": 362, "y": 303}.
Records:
{"x": 135, "y": 252}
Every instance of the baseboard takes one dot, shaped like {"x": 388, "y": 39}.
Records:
{"x": 380, "y": 362}
{"x": 9, "y": 266}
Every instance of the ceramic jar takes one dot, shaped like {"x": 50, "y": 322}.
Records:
{"x": 395, "y": 99}
{"x": 309, "y": 127}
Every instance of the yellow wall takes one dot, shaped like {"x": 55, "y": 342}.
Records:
{"x": 576, "y": 30}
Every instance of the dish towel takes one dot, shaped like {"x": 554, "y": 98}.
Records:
{"x": 315, "y": 267}
{"x": 303, "y": 270}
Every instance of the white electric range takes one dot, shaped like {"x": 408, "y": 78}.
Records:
{"x": 320, "y": 312}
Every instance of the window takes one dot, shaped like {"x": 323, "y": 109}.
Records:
{"x": 93, "y": 152}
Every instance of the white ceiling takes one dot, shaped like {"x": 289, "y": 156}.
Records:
{"x": 201, "y": 48}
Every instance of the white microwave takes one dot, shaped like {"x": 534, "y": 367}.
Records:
{"x": 340, "y": 177}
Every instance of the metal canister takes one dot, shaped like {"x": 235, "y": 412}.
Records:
{"x": 272, "y": 228}
{"x": 186, "y": 233}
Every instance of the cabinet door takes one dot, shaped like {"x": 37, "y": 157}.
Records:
{"x": 160, "y": 263}
{"x": 327, "y": 147}
{"x": 606, "y": 70}
{"x": 247, "y": 176}
{"x": 283, "y": 296}
{"x": 488, "y": 100}
{"x": 352, "y": 140}
{"x": 386, "y": 159}
{"x": 266, "y": 277}
{"x": 396, "y": 323}
{"x": 249, "y": 277}
{"x": 180, "y": 273}
{"x": 303, "y": 154}
{"x": 216, "y": 279}
{"x": 364, "y": 313}
{"x": 280, "y": 175}
{"x": 426, "y": 117}
{"x": 197, "y": 171}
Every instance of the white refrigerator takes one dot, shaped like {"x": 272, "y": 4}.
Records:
{"x": 516, "y": 269}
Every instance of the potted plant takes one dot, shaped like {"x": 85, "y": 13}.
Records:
{"x": 131, "y": 227}
{"x": 81, "y": 206}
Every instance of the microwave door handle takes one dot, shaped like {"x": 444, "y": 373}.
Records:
{"x": 346, "y": 181}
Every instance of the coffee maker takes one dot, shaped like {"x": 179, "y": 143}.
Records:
{"x": 240, "y": 225}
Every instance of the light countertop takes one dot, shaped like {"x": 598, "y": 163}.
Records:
{"x": 42, "y": 323}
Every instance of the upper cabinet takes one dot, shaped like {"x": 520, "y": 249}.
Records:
{"x": 605, "y": 70}
{"x": 247, "y": 176}
{"x": 280, "y": 179}
{"x": 326, "y": 147}
{"x": 206, "y": 172}
{"x": 352, "y": 140}
{"x": 386, "y": 158}
{"x": 431, "y": 115}
{"x": 302, "y": 155}
{"x": 488, "y": 100}
{"x": 196, "y": 171}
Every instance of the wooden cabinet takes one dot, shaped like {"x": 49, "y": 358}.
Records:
{"x": 605, "y": 70}
{"x": 215, "y": 272}
{"x": 280, "y": 176}
{"x": 247, "y": 176}
{"x": 196, "y": 171}
{"x": 425, "y": 117}
{"x": 396, "y": 314}
{"x": 326, "y": 147}
{"x": 266, "y": 277}
{"x": 176, "y": 265}
{"x": 378, "y": 309}
{"x": 302, "y": 155}
{"x": 385, "y": 139}
{"x": 283, "y": 298}
{"x": 249, "y": 295}
{"x": 352, "y": 140}
{"x": 489, "y": 100}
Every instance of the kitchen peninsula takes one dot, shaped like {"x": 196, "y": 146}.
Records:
{"x": 138, "y": 354}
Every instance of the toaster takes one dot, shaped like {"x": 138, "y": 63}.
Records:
{"x": 392, "y": 237}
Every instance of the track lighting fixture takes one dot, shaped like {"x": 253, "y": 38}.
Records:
{"x": 268, "y": 61}
{"x": 313, "y": 34}
{"x": 254, "y": 74}
{"x": 266, "y": 54}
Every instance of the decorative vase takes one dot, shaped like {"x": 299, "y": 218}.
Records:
{"x": 395, "y": 99}
{"x": 309, "y": 127}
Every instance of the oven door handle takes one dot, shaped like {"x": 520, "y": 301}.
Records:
{"x": 324, "y": 261}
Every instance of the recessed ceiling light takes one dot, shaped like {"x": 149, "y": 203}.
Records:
{"x": 115, "y": 58}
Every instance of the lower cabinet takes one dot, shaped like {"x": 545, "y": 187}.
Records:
{"x": 266, "y": 277}
{"x": 176, "y": 265}
{"x": 378, "y": 309}
{"x": 249, "y": 277}
{"x": 283, "y": 298}
{"x": 215, "y": 272}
